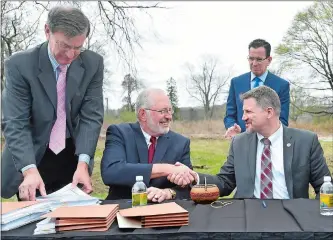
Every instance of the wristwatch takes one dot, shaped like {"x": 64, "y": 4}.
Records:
{"x": 173, "y": 193}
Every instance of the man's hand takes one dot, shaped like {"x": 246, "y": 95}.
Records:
{"x": 81, "y": 175}
{"x": 182, "y": 175}
{"x": 32, "y": 181}
{"x": 158, "y": 195}
{"x": 232, "y": 131}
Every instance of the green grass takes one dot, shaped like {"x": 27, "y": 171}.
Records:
{"x": 207, "y": 156}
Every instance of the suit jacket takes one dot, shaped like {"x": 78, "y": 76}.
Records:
{"x": 29, "y": 109}
{"x": 304, "y": 163}
{"x": 242, "y": 84}
{"x": 126, "y": 156}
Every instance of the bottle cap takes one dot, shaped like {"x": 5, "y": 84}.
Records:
{"x": 139, "y": 178}
{"x": 327, "y": 178}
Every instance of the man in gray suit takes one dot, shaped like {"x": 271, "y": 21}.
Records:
{"x": 269, "y": 160}
{"x": 52, "y": 110}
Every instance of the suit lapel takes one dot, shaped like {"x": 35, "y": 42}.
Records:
{"x": 161, "y": 147}
{"x": 47, "y": 76}
{"x": 269, "y": 81}
{"x": 251, "y": 149}
{"x": 141, "y": 144}
{"x": 243, "y": 88}
{"x": 288, "y": 151}
{"x": 74, "y": 78}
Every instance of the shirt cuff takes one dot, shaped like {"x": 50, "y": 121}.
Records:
{"x": 84, "y": 158}
{"x": 28, "y": 167}
{"x": 195, "y": 183}
{"x": 198, "y": 182}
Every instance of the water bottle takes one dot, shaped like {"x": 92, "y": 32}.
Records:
{"x": 139, "y": 192}
{"x": 326, "y": 197}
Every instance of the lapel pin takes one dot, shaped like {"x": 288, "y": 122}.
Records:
{"x": 288, "y": 144}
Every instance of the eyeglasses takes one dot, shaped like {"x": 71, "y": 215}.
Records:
{"x": 259, "y": 60}
{"x": 67, "y": 47}
{"x": 162, "y": 111}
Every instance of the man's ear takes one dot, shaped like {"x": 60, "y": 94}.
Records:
{"x": 269, "y": 60}
{"x": 47, "y": 31}
{"x": 142, "y": 115}
{"x": 270, "y": 112}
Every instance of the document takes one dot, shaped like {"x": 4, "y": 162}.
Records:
{"x": 17, "y": 214}
{"x": 88, "y": 218}
{"x": 157, "y": 215}
{"x": 70, "y": 196}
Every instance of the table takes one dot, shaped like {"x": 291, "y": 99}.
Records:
{"x": 244, "y": 219}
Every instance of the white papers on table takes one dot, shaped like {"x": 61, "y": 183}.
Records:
{"x": 67, "y": 196}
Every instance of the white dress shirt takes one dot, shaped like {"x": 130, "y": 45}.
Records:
{"x": 147, "y": 138}
{"x": 279, "y": 181}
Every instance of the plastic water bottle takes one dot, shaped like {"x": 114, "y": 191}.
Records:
{"x": 139, "y": 192}
{"x": 326, "y": 197}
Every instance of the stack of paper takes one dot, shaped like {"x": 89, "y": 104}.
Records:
{"x": 158, "y": 215}
{"x": 79, "y": 218}
{"x": 17, "y": 214}
{"x": 70, "y": 196}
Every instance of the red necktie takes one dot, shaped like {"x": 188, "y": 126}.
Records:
{"x": 266, "y": 186}
{"x": 151, "y": 149}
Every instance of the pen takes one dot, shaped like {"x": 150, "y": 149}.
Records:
{"x": 264, "y": 204}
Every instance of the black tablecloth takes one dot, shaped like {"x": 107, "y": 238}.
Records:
{"x": 244, "y": 219}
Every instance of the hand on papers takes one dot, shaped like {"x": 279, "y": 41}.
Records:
{"x": 182, "y": 175}
{"x": 158, "y": 195}
{"x": 32, "y": 181}
{"x": 81, "y": 175}
{"x": 232, "y": 131}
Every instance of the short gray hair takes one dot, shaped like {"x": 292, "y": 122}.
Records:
{"x": 144, "y": 101}
{"x": 265, "y": 97}
{"x": 69, "y": 20}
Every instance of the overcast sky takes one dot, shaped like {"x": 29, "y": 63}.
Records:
{"x": 188, "y": 30}
{"x": 184, "y": 32}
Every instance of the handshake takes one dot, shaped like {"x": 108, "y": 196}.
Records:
{"x": 182, "y": 175}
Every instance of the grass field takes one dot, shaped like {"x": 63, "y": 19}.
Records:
{"x": 208, "y": 151}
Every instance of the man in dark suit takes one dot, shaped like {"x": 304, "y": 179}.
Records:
{"x": 147, "y": 148}
{"x": 269, "y": 160}
{"x": 52, "y": 109}
{"x": 259, "y": 59}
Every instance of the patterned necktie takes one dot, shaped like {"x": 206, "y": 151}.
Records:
{"x": 58, "y": 133}
{"x": 151, "y": 149}
{"x": 256, "y": 82}
{"x": 266, "y": 176}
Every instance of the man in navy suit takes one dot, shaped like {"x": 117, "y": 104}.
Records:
{"x": 147, "y": 148}
{"x": 259, "y": 59}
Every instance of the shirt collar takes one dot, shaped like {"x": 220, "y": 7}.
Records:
{"x": 53, "y": 61}
{"x": 262, "y": 77}
{"x": 146, "y": 135}
{"x": 275, "y": 136}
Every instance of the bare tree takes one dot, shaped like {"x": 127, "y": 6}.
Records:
{"x": 130, "y": 85}
{"x": 114, "y": 23}
{"x": 19, "y": 27}
{"x": 309, "y": 43}
{"x": 94, "y": 44}
{"x": 120, "y": 28}
{"x": 207, "y": 84}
